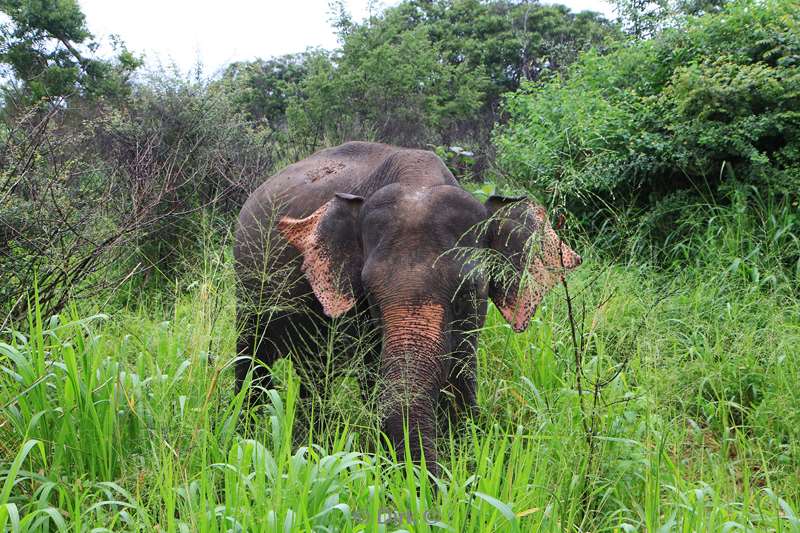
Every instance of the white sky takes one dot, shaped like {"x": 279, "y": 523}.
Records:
{"x": 216, "y": 33}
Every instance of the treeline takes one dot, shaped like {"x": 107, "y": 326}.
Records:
{"x": 110, "y": 173}
{"x": 420, "y": 73}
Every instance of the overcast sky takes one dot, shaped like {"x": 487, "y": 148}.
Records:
{"x": 219, "y": 32}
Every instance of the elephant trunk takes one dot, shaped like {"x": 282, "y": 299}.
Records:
{"x": 412, "y": 370}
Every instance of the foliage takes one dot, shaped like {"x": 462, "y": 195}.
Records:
{"x": 192, "y": 142}
{"x": 509, "y": 41}
{"x": 694, "y": 108}
{"x": 645, "y": 18}
{"x": 432, "y": 72}
{"x": 48, "y": 48}
{"x": 263, "y": 88}
{"x": 89, "y": 197}
{"x": 642, "y": 18}
{"x": 61, "y": 216}
{"x": 391, "y": 82}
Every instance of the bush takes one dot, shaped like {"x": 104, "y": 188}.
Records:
{"x": 90, "y": 195}
{"x": 710, "y": 102}
{"x": 191, "y": 143}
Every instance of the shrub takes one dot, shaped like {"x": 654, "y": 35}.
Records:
{"x": 710, "y": 102}
{"x": 90, "y": 194}
{"x": 190, "y": 142}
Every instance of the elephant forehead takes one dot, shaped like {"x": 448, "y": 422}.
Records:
{"x": 438, "y": 217}
{"x": 415, "y": 207}
{"x": 421, "y": 205}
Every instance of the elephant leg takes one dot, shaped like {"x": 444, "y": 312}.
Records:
{"x": 464, "y": 383}
{"x": 368, "y": 376}
{"x": 255, "y": 353}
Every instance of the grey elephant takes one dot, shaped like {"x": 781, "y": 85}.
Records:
{"x": 372, "y": 227}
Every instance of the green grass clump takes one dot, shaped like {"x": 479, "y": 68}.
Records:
{"x": 128, "y": 422}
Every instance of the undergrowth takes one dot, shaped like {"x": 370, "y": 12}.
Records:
{"x": 127, "y": 421}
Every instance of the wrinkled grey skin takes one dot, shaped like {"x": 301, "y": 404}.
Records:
{"x": 369, "y": 227}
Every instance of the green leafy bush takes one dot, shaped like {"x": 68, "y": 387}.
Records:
{"x": 713, "y": 101}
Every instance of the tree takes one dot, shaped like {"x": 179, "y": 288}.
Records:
{"x": 48, "y": 48}
{"x": 388, "y": 83}
{"x": 642, "y": 18}
{"x": 511, "y": 41}
{"x": 432, "y": 71}
{"x": 264, "y": 87}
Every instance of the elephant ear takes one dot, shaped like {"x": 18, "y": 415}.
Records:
{"x": 331, "y": 249}
{"x": 534, "y": 256}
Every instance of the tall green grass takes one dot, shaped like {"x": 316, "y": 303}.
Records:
{"x": 128, "y": 422}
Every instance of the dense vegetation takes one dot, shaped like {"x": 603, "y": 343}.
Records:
{"x": 657, "y": 390}
{"x": 712, "y": 101}
{"x": 421, "y": 73}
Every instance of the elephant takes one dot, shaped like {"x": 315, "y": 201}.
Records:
{"x": 373, "y": 227}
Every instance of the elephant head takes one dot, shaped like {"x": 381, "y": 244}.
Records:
{"x": 398, "y": 251}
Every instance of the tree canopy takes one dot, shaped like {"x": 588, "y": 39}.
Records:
{"x": 49, "y": 49}
{"x": 419, "y": 72}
